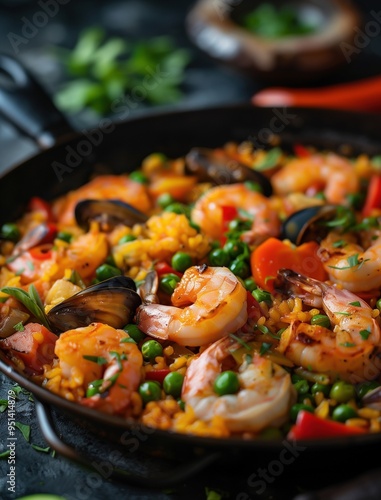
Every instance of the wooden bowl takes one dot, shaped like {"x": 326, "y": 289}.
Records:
{"x": 214, "y": 26}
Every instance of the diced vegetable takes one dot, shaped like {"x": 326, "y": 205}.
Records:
{"x": 373, "y": 197}
{"x": 309, "y": 426}
{"x": 273, "y": 254}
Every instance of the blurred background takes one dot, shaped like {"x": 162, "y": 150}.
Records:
{"x": 89, "y": 54}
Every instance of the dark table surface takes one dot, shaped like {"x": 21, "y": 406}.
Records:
{"x": 207, "y": 83}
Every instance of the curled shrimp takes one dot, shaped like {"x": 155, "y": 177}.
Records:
{"x": 350, "y": 350}
{"x": 264, "y": 398}
{"x": 350, "y": 265}
{"x": 97, "y": 355}
{"x": 103, "y": 187}
{"x": 330, "y": 173}
{"x": 208, "y": 211}
{"x": 208, "y": 303}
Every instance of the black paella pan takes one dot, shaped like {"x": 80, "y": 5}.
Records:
{"x": 67, "y": 160}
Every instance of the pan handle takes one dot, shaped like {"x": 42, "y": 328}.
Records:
{"x": 162, "y": 479}
{"x": 25, "y": 104}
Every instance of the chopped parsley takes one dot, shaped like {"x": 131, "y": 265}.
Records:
{"x": 364, "y": 334}
{"x": 99, "y": 360}
{"x": 264, "y": 348}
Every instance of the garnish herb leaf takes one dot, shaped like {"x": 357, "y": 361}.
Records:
{"x": 364, "y": 334}
{"x": 25, "y": 430}
{"x": 264, "y": 348}
{"x": 356, "y": 303}
{"x": 39, "y": 448}
{"x": 99, "y": 360}
{"x": 240, "y": 341}
{"x": 29, "y": 301}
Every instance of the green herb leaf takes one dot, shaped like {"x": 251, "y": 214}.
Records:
{"x": 5, "y": 454}
{"x": 240, "y": 341}
{"x": 270, "y": 160}
{"x": 3, "y": 405}
{"x": 364, "y": 334}
{"x": 264, "y": 348}
{"x": 356, "y": 303}
{"x": 99, "y": 360}
{"x": 19, "y": 327}
{"x": 348, "y": 344}
{"x": 39, "y": 448}
{"x": 29, "y": 301}
{"x": 25, "y": 430}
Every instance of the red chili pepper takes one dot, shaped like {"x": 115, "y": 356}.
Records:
{"x": 37, "y": 204}
{"x": 373, "y": 198}
{"x": 229, "y": 213}
{"x": 301, "y": 151}
{"x": 157, "y": 375}
{"x": 309, "y": 426}
{"x": 163, "y": 268}
{"x": 41, "y": 252}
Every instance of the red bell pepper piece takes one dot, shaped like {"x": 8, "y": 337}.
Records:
{"x": 37, "y": 204}
{"x": 373, "y": 198}
{"x": 301, "y": 151}
{"x": 309, "y": 426}
{"x": 157, "y": 375}
{"x": 229, "y": 213}
{"x": 163, "y": 268}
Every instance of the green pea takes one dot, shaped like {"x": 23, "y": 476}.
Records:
{"x": 181, "y": 261}
{"x": 10, "y": 231}
{"x": 321, "y": 320}
{"x": 296, "y": 378}
{"x": 150, "y": 349}
{"x": 236, "y": 247}
{"x": 218, "y": 257}
{"x": 365, "y": 387}
{"x": 126, "y": 239}
{"x": 178, "y": 208}
{"x": 138, "y": 176}
{"x": 302, "y": 387}
{"x": 173, "y": 383}
{"x": 165, "y": 199}
{"x": 355, "y": 200}
{"x": 106, "y": 271}
{"x": 296, "y": 408}
{"x": 134, "y": 332}
{"x": 342, "y": 412}
{"x": 110, "y": 261}
{"x": 378, "y": 304}
{"x": 226, "y": 383}
{"x": 250, "y": 284}
{"x": 169, "y": 282}
{"x": 240, "y": 268}
{"x": 261, "y": 295}
{"x": 342, "y": 391}
{"x": 325, "y": 389}
{"x": 64, "y": 236}
{"x": 150, "y": 391}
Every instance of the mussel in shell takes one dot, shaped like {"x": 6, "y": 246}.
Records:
{"x": 308, "y": 224}
{"x": 109, "y": 213}
{"x": 113, "y": 302}
{"x": 209, "y": 167}
{"x": 372, "y": 398}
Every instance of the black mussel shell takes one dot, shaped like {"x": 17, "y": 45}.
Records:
{"x": 148, "y": 289}
{"x": 372, "y": 398}
{"x": 308, "y": 224}
{"x": 113, "y": 302}
{"x": 209, "y": 167}
{"x": 109, "y": 213}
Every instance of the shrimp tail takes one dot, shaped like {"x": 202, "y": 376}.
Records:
{"x": 292, "y": 284}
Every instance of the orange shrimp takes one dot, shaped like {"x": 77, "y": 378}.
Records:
{"x": 208, "y": 211}
{"x": 97, "y": 356}
{"x": 334, "y": 174}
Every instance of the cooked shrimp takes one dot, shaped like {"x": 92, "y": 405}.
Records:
{"x": 104, "y": 187}
{"x": 208, "y": 211}
{"x": 351, "y": 266}
{"x": 208, "y": 303}
{"x": 98, "y": 353}
{"x": 350, "y": 350}
{"x": 264, "y": 399}
{"x": 84, "y": 254}
{"x": 330, "y": 173}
